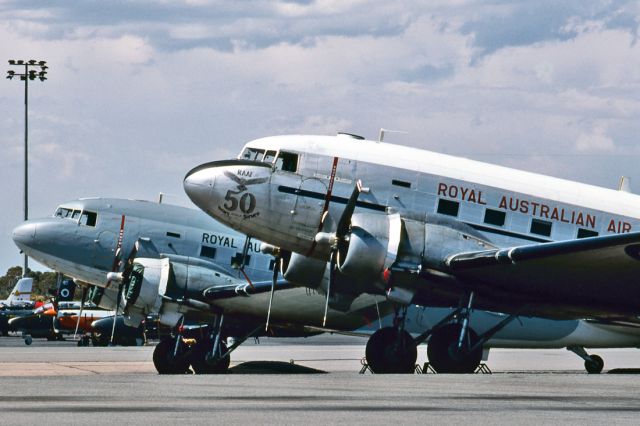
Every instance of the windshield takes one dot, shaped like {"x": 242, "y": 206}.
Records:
{"x": 252, "y": 154}
{"x": 84, "y": 217}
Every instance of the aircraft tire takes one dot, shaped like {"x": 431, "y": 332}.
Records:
{"x": 595, "y": 365}
{"x": 443, "y": 353}
{"x": 28, "y": 340}
{"x": 200, "y": 364}
{"x": 165, "y": 362}
{"x": 388, "y": 354}
{"x": 100, "y": 340}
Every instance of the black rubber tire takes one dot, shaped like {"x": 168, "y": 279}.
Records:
{"x": 165, "y": 362}
{"x": 443, "y": 353}
{"x": 200, "y": 365}
{"x": 595, "y": 365}
{"x": 388, "y": 354}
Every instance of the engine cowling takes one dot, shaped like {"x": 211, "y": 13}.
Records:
{"x": 313, "y": 273}
{"x": 379, "y": 242}
{"x": 170, "y": 289}
{"x": 304, "y": 271}
{"x": 372, "y": 246}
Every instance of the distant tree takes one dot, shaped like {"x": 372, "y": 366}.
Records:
{"x": 43, "y": 282}
{"x": 9, "y": 280}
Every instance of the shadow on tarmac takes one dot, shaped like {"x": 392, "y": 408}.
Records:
{"x": 272, "y": 367}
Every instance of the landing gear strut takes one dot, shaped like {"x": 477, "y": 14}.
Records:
{"x": 210, "y": 355}
{"x": 592, "y": 363}
{"x": 392, "y": 350}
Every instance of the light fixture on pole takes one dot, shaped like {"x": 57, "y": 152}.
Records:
{"x": 29, "y": 74}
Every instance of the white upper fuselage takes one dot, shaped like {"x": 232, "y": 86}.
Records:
{"x": 482, "y": 174}
{"x": 509, "y": 207}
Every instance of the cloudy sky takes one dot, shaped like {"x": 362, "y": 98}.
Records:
{"x": 141, "y": 91}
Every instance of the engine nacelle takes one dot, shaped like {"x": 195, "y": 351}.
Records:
{"x": 378, "y": 242}
{"x": 373, "y": 246}
{"x": 304, "y": 271}
{"x": 170, "y": 289}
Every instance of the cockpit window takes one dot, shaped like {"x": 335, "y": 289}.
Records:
{"x": 253, "y": 154}
{"x": 75, "y": 214}
{"x": 63, "y": 212}
{"x": 269, "y": 157}
{"x": 287, "y": 162}
{"x": 88, "y": 218}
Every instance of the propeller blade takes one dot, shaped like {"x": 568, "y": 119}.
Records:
{"x": 276, "y": 270}
{"x": 345, "y": 219}
{"x": 124, "y": 283}
{"x": 332, "y": 275}
{"x": 84, "y": 297}
{"x": 118, "y": 297}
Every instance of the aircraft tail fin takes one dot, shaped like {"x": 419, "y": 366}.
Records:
{"x": 21, "y": 291}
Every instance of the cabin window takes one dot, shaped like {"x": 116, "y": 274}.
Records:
{"x": 206, "y": 251}
{"x": 269, "y": 157}
{"x": 287, "y": 162}
{"x": 88, "y": 218}
{"x": 586, "y": 233}
{"x": 541, "y": 227}
{"x": 236, "y": 261}
{"x": 401, "y": 183}
{"x": 448, "y": 207}
{"x": 173, "y": 235}
{"x": 253, "y": 154}
{"x": 494, "y": 217}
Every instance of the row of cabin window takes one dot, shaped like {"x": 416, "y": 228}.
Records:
{"x": 498, "y": 218}
{"x": 210, "y": 252}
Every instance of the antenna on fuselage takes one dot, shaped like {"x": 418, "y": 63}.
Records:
{"x": 383, "y": 131}
{"x": 625, "y": 184}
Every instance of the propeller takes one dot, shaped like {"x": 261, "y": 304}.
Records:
{"x": 277, "y": 265}
{"x": 124, "y": 278}
{"x": 339, "y": 241}
{"x": 82, "y": 300}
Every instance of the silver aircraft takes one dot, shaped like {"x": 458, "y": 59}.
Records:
{"x": 190, "y": 269}
{"x": 420, "y": 227}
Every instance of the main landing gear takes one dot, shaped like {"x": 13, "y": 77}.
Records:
{"x": 453, "y": 346}
{"x": 392, "y": 350}
{"x": 592, "y": 363}
{"x": 202, "y": 348}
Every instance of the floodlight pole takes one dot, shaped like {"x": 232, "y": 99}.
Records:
{"x": 28, "y": 75}
{"x": 26, "y": 158}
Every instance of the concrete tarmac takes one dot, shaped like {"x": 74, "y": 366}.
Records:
{"x": 58, "y": 382}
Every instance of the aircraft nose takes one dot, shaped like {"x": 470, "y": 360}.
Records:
{"x": 24, "y": 235}
{"x": 198, "y": 184}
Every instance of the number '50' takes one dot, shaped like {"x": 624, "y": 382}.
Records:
{"x": 247, "y": 202}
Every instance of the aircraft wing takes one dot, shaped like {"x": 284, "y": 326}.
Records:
{"x": 591, "y": 277}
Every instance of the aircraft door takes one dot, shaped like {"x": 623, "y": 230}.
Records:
{"x": 108, "y": 241}
{"x": 309, "y": 202}
{"x": 104, "y": 250}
